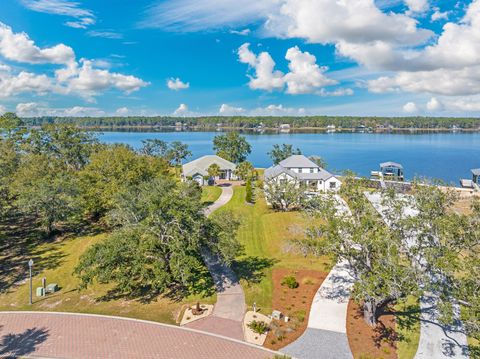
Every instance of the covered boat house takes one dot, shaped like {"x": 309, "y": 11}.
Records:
{"x": 390, "y": 171}
{"x": 474, "y": 183}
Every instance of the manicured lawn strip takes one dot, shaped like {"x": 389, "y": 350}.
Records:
{"x": 265, "y": 235}
{"x": 408, "y": 328}
{"x": 65, "y": 256}
{"x": 210, "y": 194}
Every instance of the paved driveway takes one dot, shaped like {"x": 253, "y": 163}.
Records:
{"x": 326, "y": 334}
{"x": 58, "y": 335}
{"x": 230, "y": 307}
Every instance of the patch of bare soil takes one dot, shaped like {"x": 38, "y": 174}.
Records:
{"x": 367, "y": 342}
{"x": 293, "y": 303}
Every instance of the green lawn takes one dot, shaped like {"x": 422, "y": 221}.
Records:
{"x": 265, "y": 235}
{"x": 210, "y": 194}
{"x": 408, "y": 328}
{"x": 58, "y": 261}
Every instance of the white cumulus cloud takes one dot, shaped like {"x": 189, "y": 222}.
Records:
{"x": 304, "y": 77}
{"x": 277, "y": 110}
{"x": 88, "y": 81}
{"x": 13, "y": 84}
{"x": 176, "y": 84}
{"x": 439, "y": 15}
{"x": 434, "y": 105}
{"x": 410, "y": 107}
{"x": 182, "y": 110}
{"x": 122, "y": 111}
{"x": 266, "y": 77}
{"x": 227, "y": 110}
{"x": 19, "y": 47}
{"x": 417, "y": 6}
{"x": 36, "y": 109}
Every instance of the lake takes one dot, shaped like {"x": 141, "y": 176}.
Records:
{"x": 446, "y": 156}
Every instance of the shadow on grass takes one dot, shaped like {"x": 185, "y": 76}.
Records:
{"x": 17, "y": 345}
{"x": 201, "y": 284}
{"x": 21, "y": 239}
{"x": 251, "y": 269}
{"x": 407, "y": 319}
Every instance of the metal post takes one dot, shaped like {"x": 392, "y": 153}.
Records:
{"x": 30, "y": 265}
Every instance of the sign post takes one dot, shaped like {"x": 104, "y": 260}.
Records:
{"x": 30, "y": 265}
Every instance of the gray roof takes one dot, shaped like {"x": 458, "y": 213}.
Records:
{"x": 321, "y": 175}
{"x": 274, "y": 171}
{"x": 296, "y": 161}
{"x": 476, "y": 171}
{"x": 201, "y": 165}
{"x": 277, "y": 170}
{"x": 391, "y": 164}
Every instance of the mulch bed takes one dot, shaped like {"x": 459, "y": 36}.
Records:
{"x": 367, "y": 342}
{"x": 294, "y": 303}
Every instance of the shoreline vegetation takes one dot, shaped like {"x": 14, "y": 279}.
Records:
{"x": 269, "y": 124}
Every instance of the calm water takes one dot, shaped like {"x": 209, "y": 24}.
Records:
{"x": 447, "y": 156}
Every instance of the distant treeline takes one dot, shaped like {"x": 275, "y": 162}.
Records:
{"x": 267, "y": 122}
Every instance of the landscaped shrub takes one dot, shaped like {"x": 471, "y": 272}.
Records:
{"x": 249, "y": 191}
{"x": 290, "y": 281}
{"x": 258, "y": 327}
{"x": 300, "y": 315}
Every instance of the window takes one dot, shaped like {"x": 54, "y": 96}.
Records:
{"x": 312, "y": 170}
{"x": 333, "y": 185}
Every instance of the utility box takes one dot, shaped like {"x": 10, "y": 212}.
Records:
{"x": 40, "y": 292}
{"x": 52, "y": 288}
{"x": 277, "y": 315}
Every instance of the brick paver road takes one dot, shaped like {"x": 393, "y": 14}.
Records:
{"x": 56, "y": 335}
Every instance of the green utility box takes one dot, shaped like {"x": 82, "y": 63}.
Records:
{"x": 52, "y": 288}
{"x": 40, "y": 292}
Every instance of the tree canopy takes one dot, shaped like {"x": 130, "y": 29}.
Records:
{"x": 232, "y": 147}
{"x": 156, "y": 246}
{"x": 279, "y": 153}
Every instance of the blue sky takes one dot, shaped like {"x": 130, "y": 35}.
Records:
{"x": 250, "y": 57}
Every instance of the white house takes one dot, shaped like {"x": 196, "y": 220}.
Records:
{"x": 306, "y": 172}
{"x": 198, "y": 169}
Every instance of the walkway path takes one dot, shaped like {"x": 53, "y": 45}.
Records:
{"x": 62, "y": 335}
{"x": 326, "y": 334}
{"x": 229, "y": 310}
{"x": 436, "y": 340}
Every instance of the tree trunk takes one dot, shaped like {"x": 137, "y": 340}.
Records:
{"x": 370, "y": 312}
